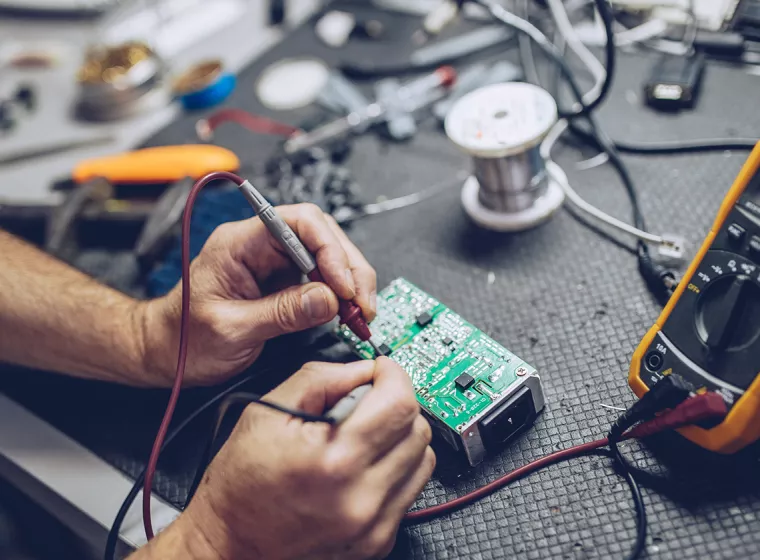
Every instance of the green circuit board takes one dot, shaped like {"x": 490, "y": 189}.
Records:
{"x": 457, "y": 370}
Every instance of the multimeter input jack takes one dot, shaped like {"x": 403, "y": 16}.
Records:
{"x": 654, "y": 361}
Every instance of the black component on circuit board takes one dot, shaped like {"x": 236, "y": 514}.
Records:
{"x": 423, "y": 319}
{"x": 464, "y": 381}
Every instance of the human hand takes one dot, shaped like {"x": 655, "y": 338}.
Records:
{"x": 245, "y": 290}
{"x": 284, "y": 489}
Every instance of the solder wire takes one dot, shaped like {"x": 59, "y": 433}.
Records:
{"x": 511, "y": 183}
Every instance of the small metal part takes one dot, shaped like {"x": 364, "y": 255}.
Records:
{"x": 120, "y": 81}
{"x": 521, "y": 371}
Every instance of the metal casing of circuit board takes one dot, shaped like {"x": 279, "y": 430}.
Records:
{"x": 709, "y": 332}
{"x": 475, "y": 393}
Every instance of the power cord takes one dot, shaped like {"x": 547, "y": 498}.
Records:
{"x": 669, "y": 147}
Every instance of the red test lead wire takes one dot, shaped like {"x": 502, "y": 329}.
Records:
{"x": 150, "y": 470}
{"x": 696, "y": 409}
{"x": 258, "y": 124}
{"x": 349, "y": 312}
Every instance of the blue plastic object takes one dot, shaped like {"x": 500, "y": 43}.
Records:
{"x": 211, "y": 95}
{"x": 212, "y": 208}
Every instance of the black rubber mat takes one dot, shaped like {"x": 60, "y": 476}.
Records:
{"x": 560, "y": 296}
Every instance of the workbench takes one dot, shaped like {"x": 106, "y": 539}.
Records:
{"x": 560, "y": 296}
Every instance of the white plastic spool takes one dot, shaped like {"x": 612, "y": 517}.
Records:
{"x": 502, "y": 126}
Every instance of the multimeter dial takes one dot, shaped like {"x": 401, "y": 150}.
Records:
{"x": 727, "y": 312}
{"x": 715, "y": 322}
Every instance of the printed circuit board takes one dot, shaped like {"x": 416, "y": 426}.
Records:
{"x": 471, "y": 387}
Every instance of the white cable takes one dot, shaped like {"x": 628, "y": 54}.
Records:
{"x": 525, "y": 48}
{"x": 559, "y": 129}
{"x": 595, "y": 212}
{"x": 581, "y": 51}
{"x": 594, "y": 66}
{"x": 571, "y": 195}
{"x": 648, "y": 30}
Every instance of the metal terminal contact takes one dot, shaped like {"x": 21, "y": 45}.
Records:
{"x": 469, "y": 437}
{"x": 672, "y": 250}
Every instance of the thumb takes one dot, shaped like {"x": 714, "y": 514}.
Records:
{"x": 294, "y": 309}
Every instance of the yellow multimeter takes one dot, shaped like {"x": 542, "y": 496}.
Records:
{"x": 709, "y": 332}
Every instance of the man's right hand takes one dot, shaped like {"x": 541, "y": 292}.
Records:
{"x": 284, "y": 489}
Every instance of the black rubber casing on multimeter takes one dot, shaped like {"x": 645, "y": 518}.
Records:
{"x": 709, "y": 333}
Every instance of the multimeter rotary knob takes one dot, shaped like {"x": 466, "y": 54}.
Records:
{"x": 727, "y": 312}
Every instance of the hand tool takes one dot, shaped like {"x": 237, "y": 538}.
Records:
{"x": 165, "y": 216}
{"x": 709, "y": 332}
{"x": 164, "y": 164}
{"x": 350, "y": 314}
{"x": 411, "y": 96}
{"x": 474, "y": 77}
{"x": 440, "y": 52}
{"x": 60, "y": 222}
{"x": 41, "y": 150}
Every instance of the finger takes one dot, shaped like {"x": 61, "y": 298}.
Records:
{"x": 365, "y": 277}
{"x": 291, "y": 310}
{"x": 395, "y": 467}
{"x": 386, "y": 413}
{"x": 400, "y": 501}
{"x": 311, "y": 227}
{"x": 381, "y": 540}
{"x": 243, "y": 240}
{"x": 318, "y": 386}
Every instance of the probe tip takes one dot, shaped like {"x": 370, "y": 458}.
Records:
{"x": 376, "y": 348}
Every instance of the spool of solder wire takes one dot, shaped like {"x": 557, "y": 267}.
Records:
{"x": 502, "y": 126}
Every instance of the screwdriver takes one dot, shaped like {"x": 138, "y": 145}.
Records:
{"x": 350, "y": 314}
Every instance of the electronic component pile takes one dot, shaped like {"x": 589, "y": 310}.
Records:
{"x": 473, "y": 390}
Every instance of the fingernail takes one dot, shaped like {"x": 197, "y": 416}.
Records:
{"x": 350, "y": 282}
{"x": 314, "y": 303}
{"x": 373, "y": 301}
